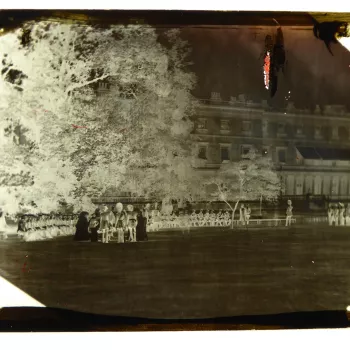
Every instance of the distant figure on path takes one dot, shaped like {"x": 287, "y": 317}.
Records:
{"x": 186, "y": 223}
{"x": 94, "y": 225}
{"x": 248, "y": 211}
{"x": 147, "y": 215}
{"x": 333, "y": 216}
{"x": 201, "y": 218}
{"x": 336, "y": 216}
{"x": 82, "y": 227}
{"x": 330, "y": 215}
{"x": 3, "y": 224}
{"x": 347, "y": 215}
{"x": 131, "y": 223}
{"x": 289, "y": 213}
{"x": 206, "y": 218}
{"x": 193, "y": 218}
{"x": 341, "y": 214}
{"x": 242, "y": 214}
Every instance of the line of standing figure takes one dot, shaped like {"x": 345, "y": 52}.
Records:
{"x": 116, "y": 224}
{"x": 338, "y": 215}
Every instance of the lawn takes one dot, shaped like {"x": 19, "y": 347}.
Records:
{"x": 211, "y": 273}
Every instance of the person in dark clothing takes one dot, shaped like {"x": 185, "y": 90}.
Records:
{"x": 82, "y": 227}
{"x": 94, "y": 225}
{"x": 141, "y": 226}
{"x": 21, "y": 225}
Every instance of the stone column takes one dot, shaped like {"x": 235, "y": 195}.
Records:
{"x": 265, "y": 127}
{"x": 335, "y": 134}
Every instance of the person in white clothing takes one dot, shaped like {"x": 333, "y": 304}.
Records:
{"x": 341, "y": 214}
{"x": 193, "y": 218}
{"x": 330, "y": 215}
{"x": 132, "y": 223}
{"x": 3, "y": 225}
{"x": 242, "y": 215}
{"x": 104, "y": 224}
{"x": 247, "y": 214}
{"x": 289, "y": 213}
{"x": 336, "y": 216}
{"x": 347, "y": 215}
{"x": 120, "y": 222}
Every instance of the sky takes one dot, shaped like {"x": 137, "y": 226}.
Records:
{"x": 228, "y": 60}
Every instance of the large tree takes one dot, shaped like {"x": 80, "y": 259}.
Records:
{"x": 135, "y": 137}
{"x": 250, "y": 178}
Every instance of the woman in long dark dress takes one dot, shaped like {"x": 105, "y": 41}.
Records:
{"x": 82, "y": 227}
{"x": 141, "y": 226}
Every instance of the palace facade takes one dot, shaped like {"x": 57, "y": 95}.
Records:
{"x": 311, "y": 150}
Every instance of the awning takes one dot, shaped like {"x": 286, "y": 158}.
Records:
{"x": 324, "y": 153}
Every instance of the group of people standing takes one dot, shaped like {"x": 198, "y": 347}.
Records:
{"x": 115, "y": 224}
{"x": 338, "y": 215}
{"x": 244, "y": 214}
{"x": 210, "y": 218}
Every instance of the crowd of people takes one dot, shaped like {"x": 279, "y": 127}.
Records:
{"x": 201, "y": 218}
{"x": 339, "y": 215}
{"x": 113, "y": 224}
{"x": 131, "y": 224}
{"x": 32, "y": 227}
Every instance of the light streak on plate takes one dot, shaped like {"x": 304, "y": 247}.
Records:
{"x": 267, "y": 61}
{"x": 11, "y": 296}
{"x": 345, "y": 41}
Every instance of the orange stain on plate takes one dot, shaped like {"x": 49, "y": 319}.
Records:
{"x": 267, "y": 62}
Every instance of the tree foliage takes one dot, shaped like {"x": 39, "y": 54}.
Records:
{"x": 250, "y": 178}
{"x": 135, "y": 137}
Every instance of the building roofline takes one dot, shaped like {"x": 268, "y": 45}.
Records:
{"x": 258, "y": 108}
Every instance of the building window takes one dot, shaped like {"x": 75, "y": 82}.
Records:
{"x": 201, "y": 123}
{"x": 281, "y": 128}
{"x": 224, "y": 125}
{"x": 225, "y": 153}
{"x": 290, "y": 185}
{"x": 246, "y": 126}
{"x": 299, "y": 185}
{"x": 299, "y": 130}
{"x": 265, "y": 127}
{"x": 318, "y": 132}
{"x": 245, "y": 149}
{"x": 342, "y": 132}
{"x": 344, "y": 186}
{"x": 202, "y": 153}
{"x": 318, "y": 185}
{"x": 335, "y": 134}
{"x": 281, "y": 155}
{"x": 335, "y": 186}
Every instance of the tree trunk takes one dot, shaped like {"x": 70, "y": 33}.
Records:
{"x": 233, "y": 211}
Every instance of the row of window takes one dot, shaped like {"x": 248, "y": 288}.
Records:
{"x": 317, "y": 185}
{"x": 246, "y": 127}
{"x": 244, "y": 150}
